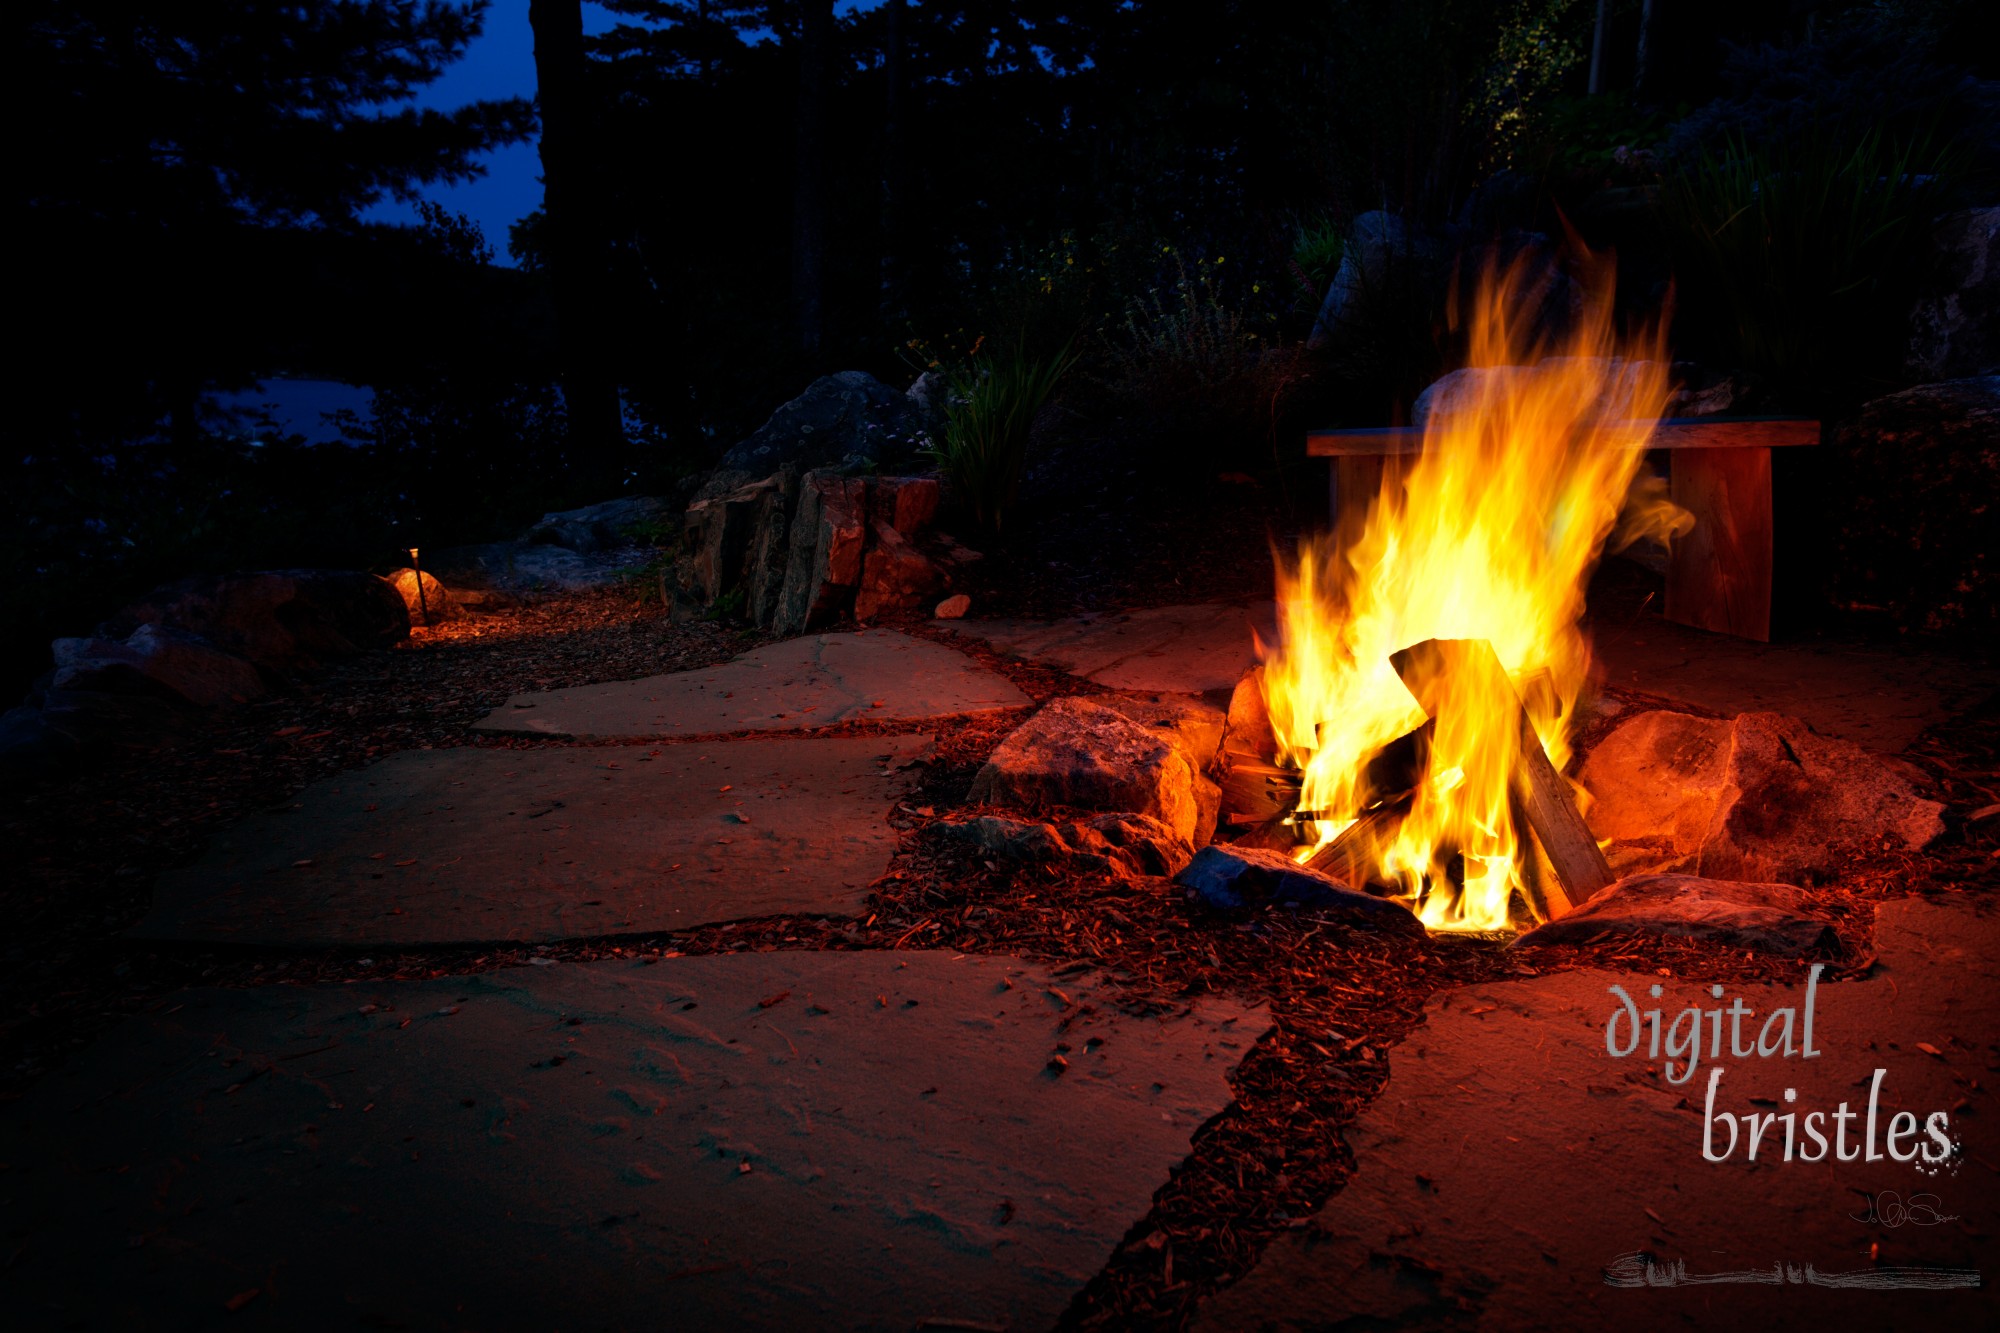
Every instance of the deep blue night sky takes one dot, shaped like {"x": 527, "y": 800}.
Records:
{"x": 501, "y": 63}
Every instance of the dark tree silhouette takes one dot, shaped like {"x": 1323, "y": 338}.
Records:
{"x": 176, "y": 145}
{"x": 815, "y": 28}
{"x": 577, "y": 255}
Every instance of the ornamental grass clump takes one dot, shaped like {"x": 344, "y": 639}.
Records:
{"x": 992, "y": 404}
{"x": 1796, "y": 259}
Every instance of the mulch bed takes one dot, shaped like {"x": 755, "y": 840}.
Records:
{"x": 1340, "y": 1000}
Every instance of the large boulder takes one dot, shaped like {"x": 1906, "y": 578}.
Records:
{"x": 895, "y": 575}
{"x": 1768, "y": 917}
{"x": 427, "y": 601}
{"x": 796, "y": 552}
{"x": 284, "y": 619}
{"x": 828, "y": 537}
{"x": 1955, "y": 327}
{"x": 600, "y": 527}
{"x": 848, "y": 420}
{"x": 1760, "y": 798}
{"x": 1229, "y": 879}
{"x": 1078, "y": 754}
{"x": 1916, "y": 493}
{"x": 1379, "y": 245}
{"x": 156, "y": 660}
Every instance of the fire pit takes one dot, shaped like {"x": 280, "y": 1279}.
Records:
{"x": 1428, "y": 662}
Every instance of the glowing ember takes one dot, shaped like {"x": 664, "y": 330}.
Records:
{"x": 1490, "y": 533}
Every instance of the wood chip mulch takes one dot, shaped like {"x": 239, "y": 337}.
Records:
{"x": 1340, "y": 1000}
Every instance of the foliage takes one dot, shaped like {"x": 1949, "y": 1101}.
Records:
{"x": 1880, "y": 72}
{"x": 1796, "y": 256}
{"x": 992, "y": 404}
{"x": 1538, "y": 43}
{"x": 1317, "y": 242}
{"x": 1599, "y": 135}
{"x": 1194, "y": 357}
{"x": 647, "y": 580}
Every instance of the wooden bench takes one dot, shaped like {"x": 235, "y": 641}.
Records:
{"x": 1718, "y": 575}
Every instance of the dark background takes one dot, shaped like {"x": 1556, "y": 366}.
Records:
{"x": 742, "y": 197}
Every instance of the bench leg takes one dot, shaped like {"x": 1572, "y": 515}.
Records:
{"x": 1354, "y": 482}
{"x": 1719, "y": 575}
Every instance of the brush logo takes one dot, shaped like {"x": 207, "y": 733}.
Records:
{"x": 1843, "y": 1134}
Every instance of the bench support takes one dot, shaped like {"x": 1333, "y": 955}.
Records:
{"x": 1718, "y": 576}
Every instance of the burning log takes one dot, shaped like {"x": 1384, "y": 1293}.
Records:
{"x": 1436, "y": 670}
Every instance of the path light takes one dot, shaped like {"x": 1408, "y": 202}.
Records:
{"x": 423, "y": 605}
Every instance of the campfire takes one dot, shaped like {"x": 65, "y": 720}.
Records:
{"x": 1428, "y": 662}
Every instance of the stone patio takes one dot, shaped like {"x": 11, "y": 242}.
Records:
{"x": 874, "y": 675}
{"x": 476, "y": 845}
{"x": 1510, "y": 1160}
{"x": 755, "y": 1141}
{"x": 1876, "y": 696}
{"x": 1172, "y": 649}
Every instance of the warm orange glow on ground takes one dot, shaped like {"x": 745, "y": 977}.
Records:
{"x": 1491, "y": 533}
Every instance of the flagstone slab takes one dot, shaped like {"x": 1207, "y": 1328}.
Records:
{"x": 750, "y": 1141}
{"x": 474, "y": 845}
{"x": 1511, "y": 1171}
{"x": 1880, "y": 696}
{"x": 874, "y": 675}
{"x": 1173, "y": 649}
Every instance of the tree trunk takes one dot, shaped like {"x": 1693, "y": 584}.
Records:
{"x": 809, "y": 180}
{"x": 1647, "y": 73}
{"x": 1597, "y": 47}
{"x": 892, "y": 164}
{"x": 573, "y": 201}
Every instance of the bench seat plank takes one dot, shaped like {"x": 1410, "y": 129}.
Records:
{"x": 1718, "y": 576}
{"x": 1671, "y": 433}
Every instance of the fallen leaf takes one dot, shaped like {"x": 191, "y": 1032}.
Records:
{"x": 1929, "y": 1049}
{"x": 770, "y": 1000}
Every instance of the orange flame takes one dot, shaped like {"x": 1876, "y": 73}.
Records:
{"x": 1526, "y": 472}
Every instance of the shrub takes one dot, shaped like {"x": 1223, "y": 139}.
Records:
{"x": 1317, "y": 243}
{"x": 1795, "y": 258}
{"x": 991, "y": 409}
{"x": 1195, "y": 361}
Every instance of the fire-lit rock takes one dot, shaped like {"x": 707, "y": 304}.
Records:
{"x": 953, "y": 607}
{"x": 798, "y": 552}
{"x": 1762, "y": 797}
{"x": 1193, "y": 727}
{"x": 436, "y": 601}
{"x": 1119, "y": 843}
{"x": 895, "y": 576}
{"x": 1249, "y": 721}
{"x": 1769, "y": 917}
{"x": 1229, "y": 879}
{"x": 1078, "y": 753}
